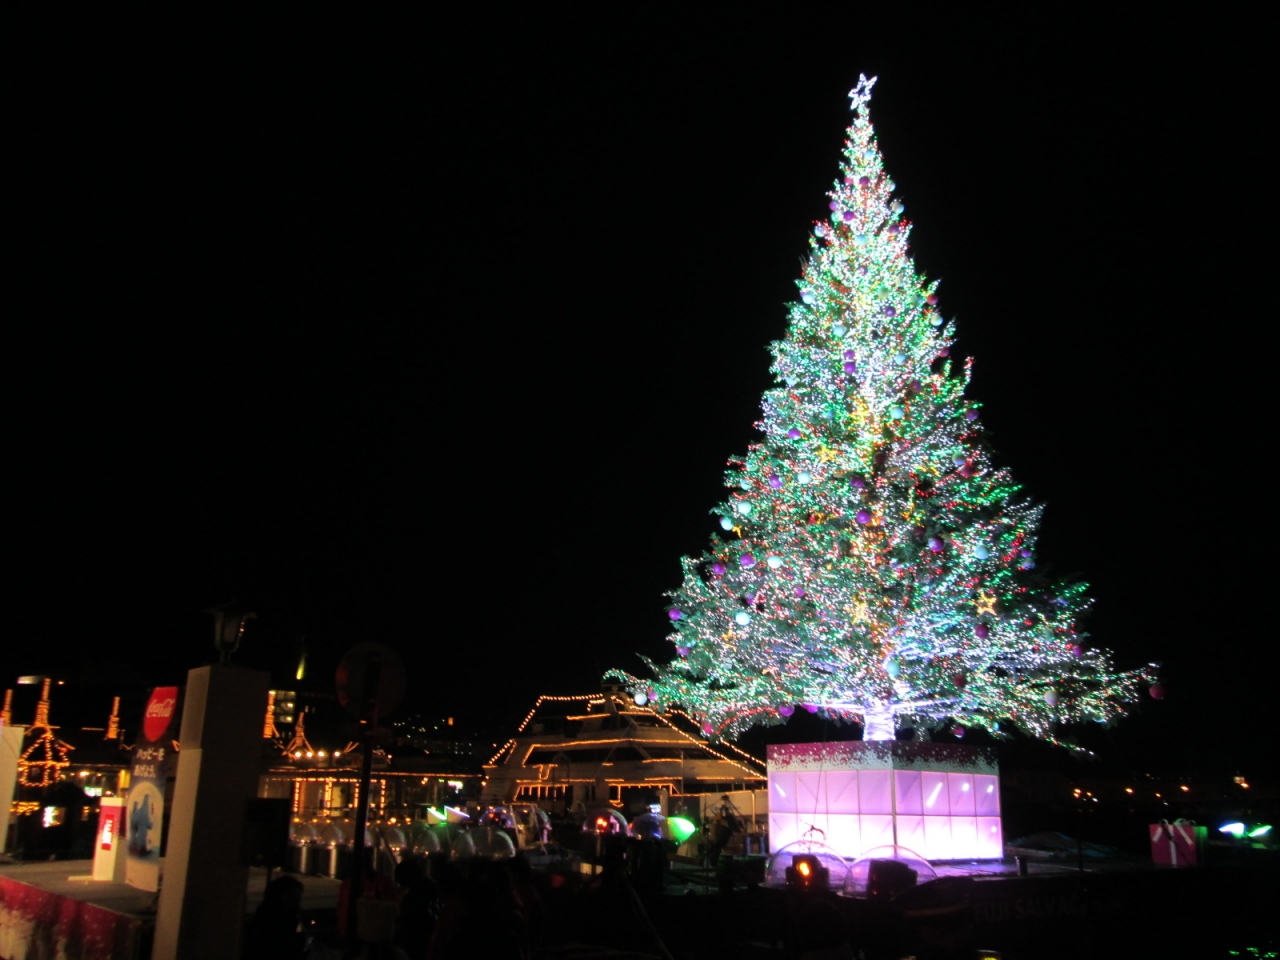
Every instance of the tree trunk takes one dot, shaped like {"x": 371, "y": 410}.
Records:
{"x": 878, "y": 724}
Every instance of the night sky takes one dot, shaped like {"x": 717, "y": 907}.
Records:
{"x": 439, "y": 332}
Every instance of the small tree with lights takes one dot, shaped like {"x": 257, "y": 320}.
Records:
{"x": 873, "y": 562}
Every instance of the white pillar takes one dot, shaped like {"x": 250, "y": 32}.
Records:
{"x": 202, "y": 888}
{"x": 10, "y": 751}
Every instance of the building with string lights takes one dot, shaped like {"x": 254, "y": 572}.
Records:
{"x": 576, "y": 752}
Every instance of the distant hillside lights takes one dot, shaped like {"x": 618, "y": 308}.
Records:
{"x": 434, "y": 736}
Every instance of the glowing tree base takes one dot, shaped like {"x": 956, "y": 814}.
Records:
{"x": 940, "y": 800}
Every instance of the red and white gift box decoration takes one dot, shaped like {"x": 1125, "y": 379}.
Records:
{"x": 1176, "y": 844}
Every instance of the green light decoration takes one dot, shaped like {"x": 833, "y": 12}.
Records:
{"x": 681, "y": 828}
{"x": 872, "y": 562}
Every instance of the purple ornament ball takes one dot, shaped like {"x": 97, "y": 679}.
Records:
{"x": 787, "y": 710}
{"x": 944, "y": 352}
{"x": 893, "y": 228}
{"x": 971, "y": 415}
{"x": 833, "y": 205}
{"x": 747, "y": 560}
{"x": 708, "y": 729}
{"x": 718, "y": 569}
{"x": 848, "y": 215}
{"x": 775, "y": 481}
{"x": 1157, "y": 691}
{"x": 682, "y": 651}
{"x": 674, "y": 614}
{"x": 1077, "y": 650}
{"x": 1024, "y": 553}
{"x": 850, "y": 355}
{"x": 958, "y": 732}
{"x": 890, "y": 312}
{"x": 931, "y": 299}
{"x": 981, "y": 631}
{"x": 850, "y": 367}
{"x": 799, "y": 591}
{"x": 812, "y": 708}
{"x": 862, "y": 182}
{"x": 863, "y": 516}
{"x": 793, "y": 433}
{"x": 935, "y": 544}
{"x": 857, "y": 483}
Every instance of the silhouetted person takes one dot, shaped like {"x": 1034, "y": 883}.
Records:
{"x": 481, "y": 915}
{"x": 419, "y": 907}
{"x": 373, "y": 886}
{"x": 532, "y": 907}
{"x": 274, "y": 931}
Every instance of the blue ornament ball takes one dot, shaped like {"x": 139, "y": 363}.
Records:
{"x": 981, "y": 552}
{"x": 742, "y": 618}
{"x": 726, "y": 523}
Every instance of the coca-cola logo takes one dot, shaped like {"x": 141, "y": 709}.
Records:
{"x": 159, "y": 712}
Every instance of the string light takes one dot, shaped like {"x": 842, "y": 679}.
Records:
{"x": 42, "y": 763}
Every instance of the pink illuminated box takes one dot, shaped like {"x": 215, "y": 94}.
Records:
{"x": 942, "y": 801}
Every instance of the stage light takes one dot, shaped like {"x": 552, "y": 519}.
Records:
{"x": 888, "y": 878}
{"x": 681, "y": 828}
{"x": 807, "y": 873}
{"x": 1235, "y": 829}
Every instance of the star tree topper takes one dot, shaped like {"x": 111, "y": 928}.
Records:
{"x": 862, "y": 92}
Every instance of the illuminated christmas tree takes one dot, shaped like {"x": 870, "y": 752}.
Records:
{"x": 873, "y": 562}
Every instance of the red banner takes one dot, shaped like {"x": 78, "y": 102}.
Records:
{"x": 35, "y": 920}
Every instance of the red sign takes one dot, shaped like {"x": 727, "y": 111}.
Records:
{"x": 155, "y": 721}
{"x": 112, "y": 818}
